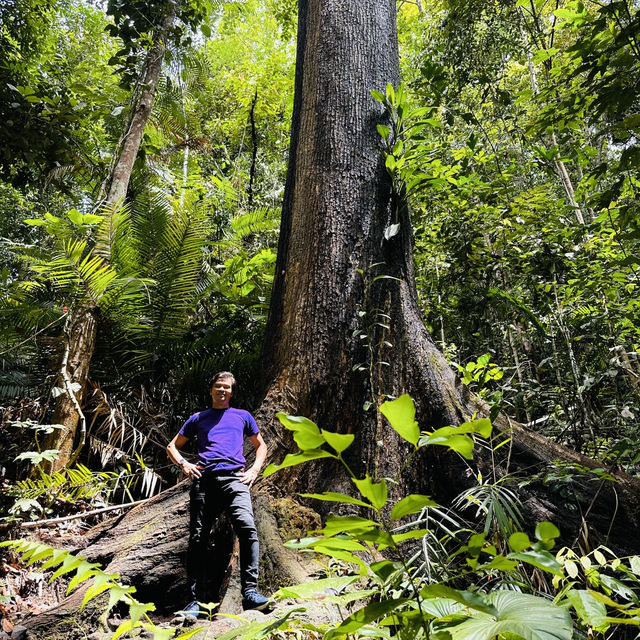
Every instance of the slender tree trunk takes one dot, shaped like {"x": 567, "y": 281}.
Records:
{"x": 254, "y": 147}
{"x": 80, "y": 336}
{"x": 82, "y": 333}
{"x": 443, "y": 343}
{"x": 118, "y": 181}
{"x": 559, "y": 164}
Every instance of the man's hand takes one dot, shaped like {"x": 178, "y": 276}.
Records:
{"x": 192, "y": 471}
{"x": 249, "y": 476}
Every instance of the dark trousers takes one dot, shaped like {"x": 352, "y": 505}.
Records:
{"x": 210, "y": 496}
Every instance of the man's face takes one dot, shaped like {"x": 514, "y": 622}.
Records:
{"x": 221, "y": 393}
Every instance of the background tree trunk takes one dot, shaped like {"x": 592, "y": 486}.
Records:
{"x": 83, "y": 317}
{"x": 80, "y": 338}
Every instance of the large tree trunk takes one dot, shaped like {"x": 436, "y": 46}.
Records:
{"x": 82, "y": 332}
{"x": 338, "y": 203}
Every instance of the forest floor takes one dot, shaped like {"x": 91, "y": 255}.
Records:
{"x": 27, "y": 592}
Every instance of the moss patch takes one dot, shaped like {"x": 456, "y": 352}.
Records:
{"x": 294, "y": 520}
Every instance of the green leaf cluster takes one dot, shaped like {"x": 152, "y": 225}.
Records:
{"x": 65, "y": 563}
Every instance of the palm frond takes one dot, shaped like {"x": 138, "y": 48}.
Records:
{"x": 500, "y": 506}
{"x": 259, "y": 221}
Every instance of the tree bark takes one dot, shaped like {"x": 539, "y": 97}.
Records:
{"x": 338, "y": 202}
{"x": 132, "y": 137}
{"x": 80, "y": 338}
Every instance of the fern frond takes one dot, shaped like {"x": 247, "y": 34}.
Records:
{"x": 263, "y": 220}
{"x": 83, "y": 570}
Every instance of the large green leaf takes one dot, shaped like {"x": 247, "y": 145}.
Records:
{"x": 590, "y": 611}
{"x": 482, "y": 427}
{"x": 519, "y": 541}
{"x": 338, "y": 441}
{"x": 455, "y": 437}
{"x": 401, "y": 415}
{"x": 292, "y": 459}
{"x": 364, "y": 616}
{"x": 327, "y": 545}
{"x": 517, "y": 614}
{"x": 305, "y": 433}
{"x": 410, "y": 535}
{"x": 332, "y": 496}
{"x": 316, "y": 589}
{"x": 75, "y": 216}
{"x": 411, "y": 504}
{"x": 375, "y": 492}
{"x": 541, "y": 559}
{"x": 462, "y": 444}
{"x": 376, "y": 536}
{"x": 342, "y": 524}
{"x": 476, "y": 601}
{"x": 385, "y": 568}
{"x": 547, "y": 531}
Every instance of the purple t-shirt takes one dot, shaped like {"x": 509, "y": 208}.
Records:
{"x": 220, "y": 435}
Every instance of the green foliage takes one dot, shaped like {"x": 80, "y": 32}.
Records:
{"x": 179, "y": 278}
{"x": 139, "y": 25}
{"x": 102, "y": 584}
{"x": 483, "y": 595}
{"x": 67, "y": 486}
{"x": 518, "y": 201}
{"x": 55, "y": 88}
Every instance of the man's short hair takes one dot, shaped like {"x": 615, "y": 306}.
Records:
{"x": 223, "y": 374}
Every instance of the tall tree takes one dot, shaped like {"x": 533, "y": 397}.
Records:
{"x": 338, "y": 207}
{"x": 345, "y": 329}
{"x": 81, "y": 326}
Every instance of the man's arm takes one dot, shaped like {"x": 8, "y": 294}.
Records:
{"x": 192, "y": 471}
{"x": 250, "y": 475}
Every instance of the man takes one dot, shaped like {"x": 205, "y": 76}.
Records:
{"x": 221, "y": 482}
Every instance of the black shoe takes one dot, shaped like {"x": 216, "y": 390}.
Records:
{"x": 254, "y": 600}
{"x": 192, "y": 610}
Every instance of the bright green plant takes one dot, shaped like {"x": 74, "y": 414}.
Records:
{"x": 38, "y": 493}
{"x": 406, "y": 601}
{"x": 480, "y": 372}
{"x": 497, "y": 503}
{"x": 537, "y": 135}
{"x": 68, "y": 486}
{"x": 101, "y": 583}
{"x": 479, "y": 376}
{"x": 406, "y": 605}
